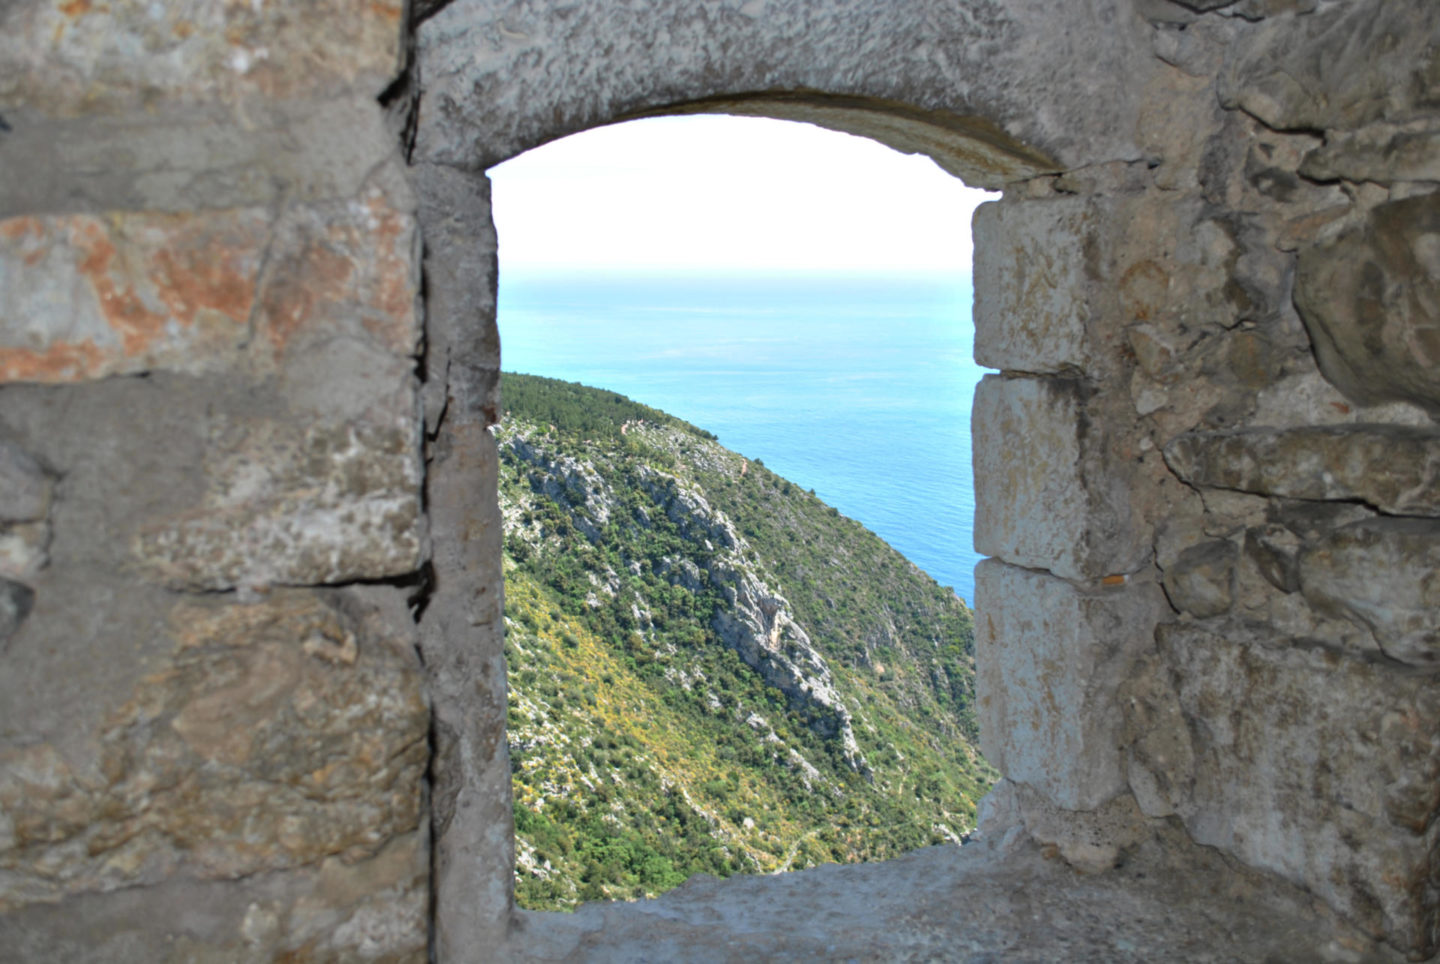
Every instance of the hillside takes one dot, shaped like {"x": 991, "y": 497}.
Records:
{"x": 710, "y": 669}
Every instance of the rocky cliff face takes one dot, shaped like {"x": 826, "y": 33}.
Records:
{"x": 647, "y": 541}
{"x": 755, "y": 621}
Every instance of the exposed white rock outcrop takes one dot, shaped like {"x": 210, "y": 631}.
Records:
{"x": 569, "y": 482}
{"x": 755, "y": 620}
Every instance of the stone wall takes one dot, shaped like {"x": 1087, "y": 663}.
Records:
{"x": 1222, "y": 384}
{"x": 251, "y": 675}
{"x": 213, "y": 721}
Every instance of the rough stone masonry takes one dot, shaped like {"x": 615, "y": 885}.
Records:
{"x": 251, "y": 674}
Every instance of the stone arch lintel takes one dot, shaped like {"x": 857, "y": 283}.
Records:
{"x": 973, "y": 148}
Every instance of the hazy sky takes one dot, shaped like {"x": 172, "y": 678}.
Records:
{"x": 705, "y": 194}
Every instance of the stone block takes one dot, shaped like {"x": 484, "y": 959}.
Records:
{"x": 1159, "y": 756}
{"x": 274, "y": 735}
{"x": 16, "y": 601}
{"x": 1323, "y": 71}
{"x": 24, "y": 486}
{"x": 1044, "y": 497}
{"x": 193, "y": 159}
{"x": 1383, "y": 574}
{"x": 295, "y": 504}
{"x": 999, "y": 810}
{"x": 1382, "y": 153}
{"x": 1275, "y": 552}
{"x": 503, "y": 77}
{"x": 1201, "y": 582}
{"x": 1371, "y": 302}
{"x": 462, "y": 340}
{"x": 1394, "y": 468}
{"x": 344, "y": 270}
{"x": 372, "y": 910}
{"x": 24, "y": 549}
{"x": 1031, "y": 506}
{"x": 1319, "y": 767}
{"x": 88, "y": 296}
{"x": 1050, "y": 661}
{"x": 1092, "y": 841}
{"x": 1032, "y": 273}
{"x": 218, "y": 484}
{"x": 68, "y": 58}
{"x": 1307, "y": 398}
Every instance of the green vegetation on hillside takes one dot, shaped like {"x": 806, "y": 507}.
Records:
{"x": 582, "y": 412}
{"x": 644, "y": 747}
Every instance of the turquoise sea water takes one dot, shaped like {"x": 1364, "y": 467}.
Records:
{"x": 859, "y": 388}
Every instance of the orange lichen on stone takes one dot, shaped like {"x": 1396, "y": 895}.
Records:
{"x": 318, "y": 275}
{"x": 387, "y": 11}
{"x": 353, "y": 271}
{"x": 395, "y": 288}
{"x": 86, "y": 296}
{"x": 125, "y": 312}
{"x": 16, "y": 229}
{"x": 60, "y": 362}
{"x": 76, "y": 8}
{"x": 195, "y": 278}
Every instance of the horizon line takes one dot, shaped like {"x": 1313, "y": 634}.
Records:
{"x": 632, "y": 271}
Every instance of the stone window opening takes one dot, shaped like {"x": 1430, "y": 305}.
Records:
{"x": 1077, "y": 707}
{"x": 1207, "y": 625}
{"x": 927, "y": 269}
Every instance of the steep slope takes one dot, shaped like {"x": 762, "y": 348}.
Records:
{"x": 710, "y": 669}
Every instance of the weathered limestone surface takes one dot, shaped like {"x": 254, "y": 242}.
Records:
{"x": 25, "y": 493}
{"x": 1385, "y": 575}
{"x": 1207, "y": 470}
{"x": 1051, "y": 659}
{"x": 1380, "y": 152}
{"x": 1350, "y": 752}
{"x": 462, "y": 634}
{"x": 139, "y": 292}
{"x": 991, "y": 73}
{"x": 1201, "y": 581}
{"x": 268, "y": 739}
{"x": 209, "y": 413}
{"x": 322, "y": 490}
{"x": 1343, "y": 66}
{"x": 371, "y": 910}
{"x": 65, "y": 58}
{"x": 1091, "y": 841}
{"x": 1042, "y": 498}
{"x": 1394, "y": 468}
{"x": 1030, "y": 496}
{"x": 142, "y": 292}
{"x": 24, "y": 488}
{"x": 195, "y": 158}
{"x": 149, "y": 737}
{"x": 1032, "y": 278}
{"x": 982, "y": 902}
{"x": 1371, "y": 300}
{"x": 1290, "y": 522}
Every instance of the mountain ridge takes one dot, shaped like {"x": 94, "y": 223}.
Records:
{"x": 825, "y": 683}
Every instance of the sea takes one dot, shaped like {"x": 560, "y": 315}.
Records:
{"x": 857, "y": 387}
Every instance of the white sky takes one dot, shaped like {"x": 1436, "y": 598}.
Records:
{"x": 716, "y": 194}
